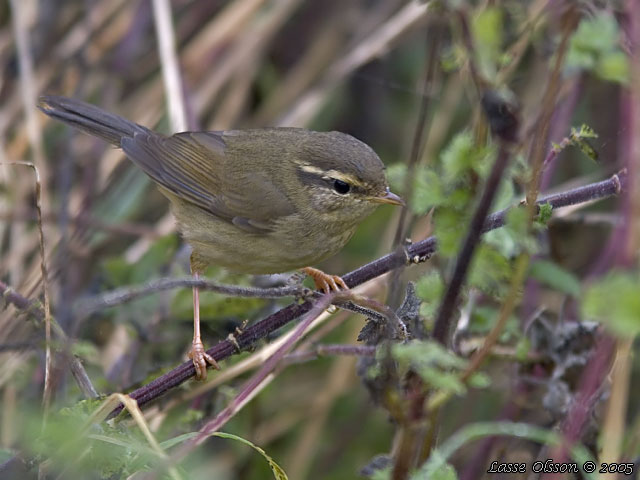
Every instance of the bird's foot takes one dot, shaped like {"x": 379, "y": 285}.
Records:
{"x": 325, "y": 282}
{"x": 200, "y": 359}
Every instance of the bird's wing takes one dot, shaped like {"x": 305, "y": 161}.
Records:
{"x": 191, "y": 165}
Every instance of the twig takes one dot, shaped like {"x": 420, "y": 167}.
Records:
{"x": 417, "y": 146}
{"x": 83, "y": 220}
{"x": 419, "y": 134}
{"x": 442, "y": 323}
{"x": 126, "y": 294}
{"x": 254, "y": 384}
{"x": 368, "y": 304}
{"x": 34, "y": 309}
{"x": 327, "y": 350}
{"x": 417, "y": 252}
{"x": 570, "y": 21}
{"x": 47, "y": 391}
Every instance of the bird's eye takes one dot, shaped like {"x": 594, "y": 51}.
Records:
{"x": 341, "y": 187}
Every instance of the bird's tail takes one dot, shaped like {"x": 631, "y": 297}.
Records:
{"x": 89, "y": 118}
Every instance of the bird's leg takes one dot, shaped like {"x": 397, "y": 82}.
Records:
{"x": 198, "y": 355}
{"x": 325, "y": 282}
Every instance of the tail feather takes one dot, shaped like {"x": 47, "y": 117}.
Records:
{"x": 89, "y": 118}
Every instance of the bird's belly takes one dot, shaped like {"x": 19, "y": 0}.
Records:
{"x": 294, "y": 244}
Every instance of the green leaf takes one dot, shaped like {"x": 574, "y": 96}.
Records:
{"x": 428, "y": 191}
{"x": 595, "y": 47}
{"x": 545, "y": 213}
{"x": 449, "y": 227}
{"x": 444, "y": 472}
{"x": 396, "y": 175}
{"x": 437, "y": 366}
{"x": 490, "y": 270}
{"x": 479, "y": 380}
{"x": 554, "y": 276}
{"x": 487, "y": 29}
{"x": 457, "y": 158}
{"x": 439, "y": 457}
{"x": 430, "y": 289}
{"x": 615, "y": 301}
{"x": 523, "y": 347}
{"x": 278, "y": 472}
{"x": 614, "y": 67}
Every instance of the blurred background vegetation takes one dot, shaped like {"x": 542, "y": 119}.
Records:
{"x": 397, "y": 75}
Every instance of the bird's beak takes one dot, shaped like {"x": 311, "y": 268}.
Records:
{"x": 390, "y": 198}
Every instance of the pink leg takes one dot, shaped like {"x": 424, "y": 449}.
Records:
{"x": 197, "y": 354}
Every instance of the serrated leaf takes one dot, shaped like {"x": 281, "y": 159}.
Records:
{"x": 545, "y": 212}
{"x": 428, "y": 191}
{"x": 430, "y": 287}
{"x": 490, "y": 270}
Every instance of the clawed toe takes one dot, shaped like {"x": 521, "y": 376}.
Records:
{"x": 200, "y": 359}
{"x": 325, "y": 282}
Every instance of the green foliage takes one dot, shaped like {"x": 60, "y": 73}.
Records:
{"x": 490, "y": 270}
{"x": 615, "y": 301}
{"x": 556, "y": 277}
{"x": 475, "y": 431}
{"x": 278, "y": 472}
{"x": 515, "y": 237}
{"x": 430, "y": 289}
{"x": 595, "y": 47}
{"x": 544, "y": 214}
{"x": 382, "y": 474}
{"x": 579, "y": 138}
{"x": 483, "y": 318}
{"x": 523, "y": 347}
{"x": 487, "y": 30}
{"x": 438, "y": 367}
{"x": 444, "y": 472}
{"x": 103, "y": 449}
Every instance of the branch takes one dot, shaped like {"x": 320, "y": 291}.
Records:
{"x": 415, "y": 253}
{"x": 126, "y": 294}
{"x": 33, "y": 308}
{"x": 443, "y": 318}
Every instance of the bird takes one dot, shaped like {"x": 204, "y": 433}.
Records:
{"x": 259, "y": 201}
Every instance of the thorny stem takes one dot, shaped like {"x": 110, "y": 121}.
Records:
{"x": 415, "y": 253}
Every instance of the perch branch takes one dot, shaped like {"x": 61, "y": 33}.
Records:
{"x": 415, "y": 253}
